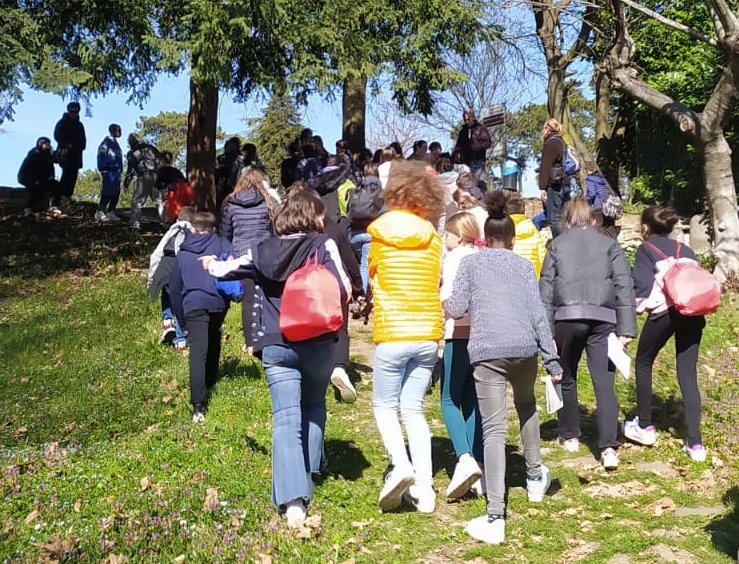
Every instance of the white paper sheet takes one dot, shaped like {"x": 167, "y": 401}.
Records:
{"x": 619, "y": 356}
{"x": 554, "y": 395}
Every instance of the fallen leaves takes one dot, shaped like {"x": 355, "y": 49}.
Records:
{"x": 211, "y": 502}
{"x": 59, "y": 549}
{"x": 618, "y": 491}
{"x": 661, "y": 506}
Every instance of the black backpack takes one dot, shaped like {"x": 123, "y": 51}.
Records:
{"x": 365, "y": 203}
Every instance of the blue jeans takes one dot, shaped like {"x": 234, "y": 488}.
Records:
{"x": 360, "y": 241}
{"x": 556, "y": 199}
{"x": 297, "y": 377}
{"x": 402, "y": 373}
{"x": 180, "y": 336}
{"x": 459, "y": 400}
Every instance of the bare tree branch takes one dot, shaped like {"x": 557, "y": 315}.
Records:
{"x": 671, "y": 23}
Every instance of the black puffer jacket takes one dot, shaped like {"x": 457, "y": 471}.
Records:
{"x": 586, "y": 276}
{"x": 327, "y": 183}
{"x": 245, "y": 220}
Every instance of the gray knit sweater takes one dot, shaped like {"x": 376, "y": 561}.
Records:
{"x": 508, "y": 319}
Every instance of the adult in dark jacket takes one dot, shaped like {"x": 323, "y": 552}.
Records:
{"x": 199, "y": 307}
{"x": 36, "y": 173}
{"x": 69, "y": 134}
{"x": 246, "y": 220}
{"x": 473, "y": 142}
{"x": 327, "y": 183}
{"x": 554, "y": 194}
{"x": 224, "y": 165}
{"x": 664, "y": 322}
{"x": 586, "y": 287}
{"x": 297, "y": 373}
{"x": 143, "y": 162}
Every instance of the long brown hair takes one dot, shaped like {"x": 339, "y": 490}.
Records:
{"x": 302, "y": 212}
{"x": 253, "y": 179}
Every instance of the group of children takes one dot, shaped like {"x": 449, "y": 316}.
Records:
{"x": 440, "y": 265}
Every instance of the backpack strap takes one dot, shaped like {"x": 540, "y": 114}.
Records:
{"x": 677, "y": 253}
{"x": 659, "y": 251}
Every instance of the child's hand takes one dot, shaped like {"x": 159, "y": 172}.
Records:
{"x": 206, "y": 260}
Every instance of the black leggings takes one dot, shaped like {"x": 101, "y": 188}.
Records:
{"x": 654, "y": 335}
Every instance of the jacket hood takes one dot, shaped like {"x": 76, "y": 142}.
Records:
{"x": 247, "y": 198}
{"x": 525, "y": 228}
{"x": 277, "y": 257}
{"x": 330, "y": 178}
{"x": 402, "y": 229}
{"x": 197, "y": 243}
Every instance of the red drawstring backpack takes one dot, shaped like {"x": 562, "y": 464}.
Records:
{"x": 690, "y": 287}
{"x": 311, "y": 302}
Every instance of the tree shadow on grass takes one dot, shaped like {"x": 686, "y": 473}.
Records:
{"x": 40, "y": 246}
{"x": 725, "y": 530}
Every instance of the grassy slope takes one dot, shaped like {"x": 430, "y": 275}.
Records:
{"x": 99, "y": 458}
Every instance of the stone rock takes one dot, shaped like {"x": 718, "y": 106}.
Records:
{"x": 619, "y": 559}
{"x": 704, "y": 511}
{"x": 700, "y": 239}
{"x": 668, "y": 554}
{"x": 659, "y": 468}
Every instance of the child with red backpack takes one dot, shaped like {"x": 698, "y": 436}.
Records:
{"x": 663, "y": 322}
{"x": 297, "y": 356}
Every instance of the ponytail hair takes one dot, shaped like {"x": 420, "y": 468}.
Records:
{"x": 498, "y": 226}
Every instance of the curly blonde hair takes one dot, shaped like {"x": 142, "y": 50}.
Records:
{"x": 412, "y": 186}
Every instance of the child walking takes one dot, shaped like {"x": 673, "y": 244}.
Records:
{"x": 297, "y": 373}
{"x": 664, "y": 322}
{"x": 458, "y": 397}
{"x": 404, "y": 269}
{"x": 196, "y": 301}
{"x": 496, "y": 284}
{"x": 161, "y": 263}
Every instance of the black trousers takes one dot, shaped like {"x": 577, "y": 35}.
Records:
{"x": 204, "y": 336}
{"x": 68, "y": 181}
{"x": 572, "y": 337}
{"x": 341, "y": 347}
{"x": 248, "y": 315}
{"x": 654, "y": 335}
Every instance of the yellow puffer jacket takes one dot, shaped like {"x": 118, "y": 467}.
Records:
{"x": 404, "y": 268}
{"x": 529, "y": 243}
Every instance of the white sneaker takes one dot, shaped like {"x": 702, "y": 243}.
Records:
{"x": 570, "y": 445}
{"x": 113, "y": 217}
{"x": 697, "y": 453}
{"x": 340, "y": 379}
{"x": 609, "y": 458}
{"x": 397, "y": 483}
{"x": 537, "y": 489}
{"x": 423, "y": 499}
{"x": 466, "y": 472}
{"x": 101, "y": 216}
{"x": 295, "y": 513}
{"x": 644, "y": 436}
{"x": 488, "y": 528}
{"x": 55, "y": 211}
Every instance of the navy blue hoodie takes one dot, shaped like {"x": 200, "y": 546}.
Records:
{"x": 273, "y": 260}
{"x": 191, "y": 288}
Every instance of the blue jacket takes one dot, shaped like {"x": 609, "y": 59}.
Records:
{"x": 191, "y": 288}
{"x": 245, "y": 220}
{"x": 110, "y": 163}
{"x": 595, "y": 190}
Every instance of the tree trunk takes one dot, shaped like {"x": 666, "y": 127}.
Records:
{"x": 705, "y": 131}
{"x": 721, "y": 196}
{"x": 354, "y": 109}
{"x": 608, "y": 138}
{"x": 201, "y": 144}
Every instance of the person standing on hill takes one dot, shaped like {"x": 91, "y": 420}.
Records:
{"x": 555, "y": 193}
{"x": 69, "y": 134}
{"x": 110, "y": 164}
{"x": 473, "y": 142}
{"x": 143, "y": 163}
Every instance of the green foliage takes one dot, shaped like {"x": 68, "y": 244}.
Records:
{"x": 272, "y": 132}
{"x": 523, "y": 127}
